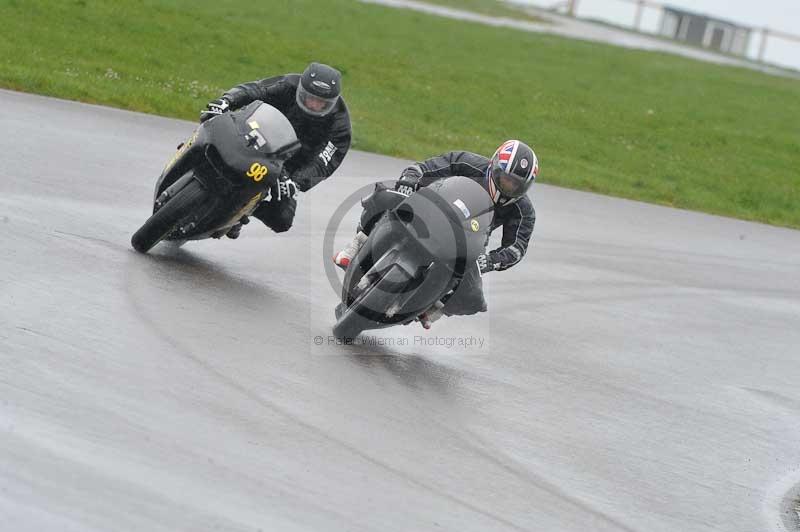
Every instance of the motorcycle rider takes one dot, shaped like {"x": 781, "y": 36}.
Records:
{"x": 506, "y": 177}
{"x": 313, "y": 104}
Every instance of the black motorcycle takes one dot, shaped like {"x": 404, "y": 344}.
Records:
{"x": 219, "y": 176}
{"x": 416, "y": 255}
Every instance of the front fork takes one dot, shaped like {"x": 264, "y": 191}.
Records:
{"x": 171, "y": 190}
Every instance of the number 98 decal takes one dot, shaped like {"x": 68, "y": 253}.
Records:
{"x": 257, "y": 172}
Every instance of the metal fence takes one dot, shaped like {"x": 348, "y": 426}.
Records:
{"x": 766, "y": 33}
{"x": 762, "y": 36}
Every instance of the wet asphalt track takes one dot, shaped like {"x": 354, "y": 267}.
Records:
{"x": 639, "y": 370}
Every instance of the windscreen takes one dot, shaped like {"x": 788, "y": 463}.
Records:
{"x": 468, "y": 198}
{"x": 268, "y": 129}
{"x": 450, "y": 217}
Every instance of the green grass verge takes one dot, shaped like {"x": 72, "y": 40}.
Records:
{"x": 640, "y": 125}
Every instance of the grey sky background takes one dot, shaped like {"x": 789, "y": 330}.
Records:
{"x": 782, "y": 15}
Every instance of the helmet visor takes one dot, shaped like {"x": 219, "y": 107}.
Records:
{"x": 313, "y": 104}
{"x": 509, "y": 185}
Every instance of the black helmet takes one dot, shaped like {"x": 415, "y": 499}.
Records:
{"x": 511, "y": 172}
{"x": 319, "y": 89}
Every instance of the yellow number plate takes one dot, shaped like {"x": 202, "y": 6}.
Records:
{"x": 257, "y": 172}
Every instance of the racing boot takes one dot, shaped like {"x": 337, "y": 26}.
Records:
{"x": 233, "y": 232}
{"x": 432, "y": 314}
{"x": 343, "y": 258}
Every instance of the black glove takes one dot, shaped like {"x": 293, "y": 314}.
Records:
{"x": 287, "y": 189}
{"x": 409, "y": 180}
{"x": 282, "y": 189}
{"x": 485, "y": 263}
{"x": 214, "y": 108}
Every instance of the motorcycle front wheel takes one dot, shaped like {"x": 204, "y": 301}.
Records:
{"x": 165, "y": 220}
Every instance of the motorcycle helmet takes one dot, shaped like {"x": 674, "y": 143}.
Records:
{"x": 511, "y": 172}
{"x": 319, "y": 89}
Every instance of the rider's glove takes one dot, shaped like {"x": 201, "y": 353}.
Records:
{"x": 409, "y": 180}
{"x": 282, "y": 189}
{"x": 485, "y": 263}
{"x": 287, "y": 189}
{"x": 214, "y": 108}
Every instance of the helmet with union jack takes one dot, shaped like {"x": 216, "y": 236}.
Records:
{"x": 511, "y": 172}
